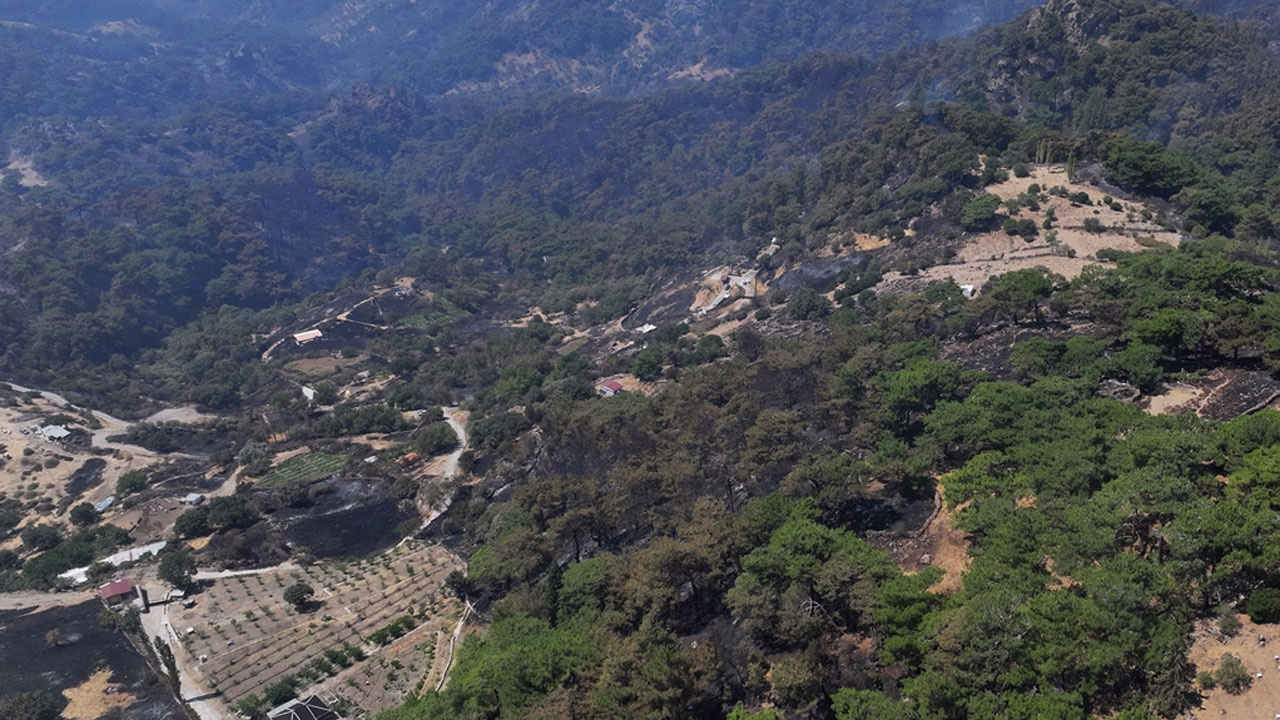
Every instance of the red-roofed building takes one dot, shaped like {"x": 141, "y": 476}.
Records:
{"x": 117, "y": 592}
{"x": 609, "y": 388}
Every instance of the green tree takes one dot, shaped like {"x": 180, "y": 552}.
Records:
{"x": 84, "y": 514}
{"x": 134, "y": 481}
{"x": 299, "y": 595}
{"x": 40, "y": 537}
{"x": 177, "y": 566}
{"x": 851, "y": 704}
{"x": 1263, "y": 605}
{"x": 980, "y": 213}
{"x": 647, "y": 365}
{"x": 170, "y": 663}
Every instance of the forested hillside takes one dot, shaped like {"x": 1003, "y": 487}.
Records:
{"x": 813, "y": 363}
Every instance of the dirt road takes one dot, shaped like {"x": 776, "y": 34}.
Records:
{"x": 40, "y": 600}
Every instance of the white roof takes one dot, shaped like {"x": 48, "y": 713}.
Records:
{"x": 54, "y": 432}
{"x": 309, "y": 335}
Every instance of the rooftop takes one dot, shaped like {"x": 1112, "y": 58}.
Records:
{"x": 115, "y": 588}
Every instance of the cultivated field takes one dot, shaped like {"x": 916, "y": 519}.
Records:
{"x": 303, "y": 469}
{"x": 245, "y": 637}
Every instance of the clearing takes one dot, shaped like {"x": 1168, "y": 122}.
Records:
{"x": 95, "y": 698}
{"x": 1262, "y": 699}
{"x": 989, "y": 254}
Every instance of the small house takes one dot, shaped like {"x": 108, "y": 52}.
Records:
{"x": 192, "y": 499}
{"x": 609, "y": 388}
{"x": 117, "y": 592}
{"x": 409, "y": 459}
{"x": 312, "y": 335}
{"x": 309, "y": 708}
{"x": 54, "y": 432}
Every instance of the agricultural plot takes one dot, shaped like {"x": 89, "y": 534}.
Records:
{"x": 303, "y": 469}
{"x": 408, "y": 664}
{"x": 440, "y": 312}
{"x": 245, "y": 638}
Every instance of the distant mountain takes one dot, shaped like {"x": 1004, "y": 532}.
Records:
{"x": 121, "y": 55}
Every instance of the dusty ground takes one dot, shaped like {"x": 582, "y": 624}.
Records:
{"x": 95, "y": 697}
{"x": 986, "y": 255}
{"x": 1222, "y": 393}
{"x": 42, "y": 473}
{"x": 938, "y": 544}
{"x": 1262, "y": 700}
{"x": 1176, "y": 398}
{"x": 150, "y": 521}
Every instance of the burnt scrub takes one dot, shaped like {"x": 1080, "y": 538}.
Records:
{"x": 62, "y": 648}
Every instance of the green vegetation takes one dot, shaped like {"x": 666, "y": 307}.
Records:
{"x": 299, "y": 595}
{"x": 303, "y": 469}
{"x": 395, "y": 629}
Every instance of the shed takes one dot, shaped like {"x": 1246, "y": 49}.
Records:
{"x": 54, "y": 432}
{"x": 309, "y": 708}
{"x": 192, "y": 499}
{"x": 105, "y": 504}
{"x": 117, "y": 592}
{"x": 609, "y": 388}
{"x": 312, "y": 335}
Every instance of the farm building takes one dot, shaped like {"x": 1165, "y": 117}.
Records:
{"x": 117, "y": 592}
{"x": 311, "y": 708}
{"x": 609, "y": 388}
{"x": 54, "y": 432}
{"x": 303, "y": 338}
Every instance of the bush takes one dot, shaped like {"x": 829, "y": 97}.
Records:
{"x": 1021, "y": 170}
{"x": 1205, "y": 680}
{"x": 1228, "y": 623}
{"x": 1094, "y": 225}
{"x": 1232, "y": 675}
{"x": 1264, "y": 605}
{"x": 41, "y": 537}
{"x": 84, "y": 514}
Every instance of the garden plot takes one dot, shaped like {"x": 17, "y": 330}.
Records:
{"x": 413, "y": 662}
{"x": 246, "y": 638}
{"x": 303, "y": 469}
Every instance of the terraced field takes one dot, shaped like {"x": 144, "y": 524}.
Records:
{"x": 246, "y": 638}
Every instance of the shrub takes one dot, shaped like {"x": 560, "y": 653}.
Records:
{"x": 1232, "y": 675}
{"x": 1205, "y": 680}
